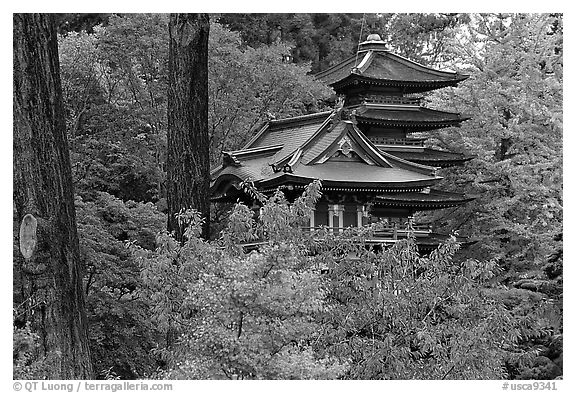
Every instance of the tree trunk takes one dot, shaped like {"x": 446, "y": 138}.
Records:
{"x": 52, "y": 269}
{"x": 188, "y": 161}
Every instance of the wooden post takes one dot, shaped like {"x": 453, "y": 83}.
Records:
{"x": 312, "y": 220}
{"x": 359, "y": 215}
{"x": 338, "y": 211}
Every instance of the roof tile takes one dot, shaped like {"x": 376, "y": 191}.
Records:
{"x": 387, "y": 66}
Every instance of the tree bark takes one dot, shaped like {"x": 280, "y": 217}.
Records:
{"x": 43, "y": 189}
{"x": 188, "y": 161}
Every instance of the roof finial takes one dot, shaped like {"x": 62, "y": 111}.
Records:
{"x": 374, "y": 42}
{"x": 373, "y": 37}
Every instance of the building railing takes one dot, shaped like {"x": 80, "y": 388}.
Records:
{"x": 377, "y": 140}
{"x": 388, "y": 234}
{"x": 387, "y": 231}
{"x": 388, "y": 100}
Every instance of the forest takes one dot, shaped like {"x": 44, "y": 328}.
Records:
{"x": 192, "y": 305}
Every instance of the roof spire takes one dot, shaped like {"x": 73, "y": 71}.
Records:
{"x": 374, "y": 42}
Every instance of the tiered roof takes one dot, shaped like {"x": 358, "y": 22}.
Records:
{"x": 331, "y": 146}
{"x": 427, "y": 200}
{"x": 428, "y": 156}
{"x": 407, "y": 116}
{"x": 375, "y": 65}
{"x": 319, "y": 147}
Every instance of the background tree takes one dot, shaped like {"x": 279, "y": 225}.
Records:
{"x": 51, "y": 270}
{"x": 122, "y": 336}
{"x": 188, "y": 162}
{"x": 67, "y": 23}
{"x": 115, "y": 97}
{"x": 327, "y": 39}
{"x": 248, "y": 86}
{"x": 514, "y": 95}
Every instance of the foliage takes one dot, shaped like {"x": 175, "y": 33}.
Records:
{"x": 27, "y": 361}
{"x": 514, "y": 95}
{"x": 67, "y": 23}
{"x": 272, "y": 313}
{"x": 114, "y": 94}
{"x": 248, "y": 86}
{"x": 121, "y": 334}
{"x": 231, "y": 315}
{"x": 516, "y": 134}
{"x": 426, "y": 37}
{"x": 399, "y": 315}
{"x": 327, "y": 39}
{"x": 114, "y": 90}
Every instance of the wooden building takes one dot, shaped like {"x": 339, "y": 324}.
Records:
{"x": 371, "y": 165}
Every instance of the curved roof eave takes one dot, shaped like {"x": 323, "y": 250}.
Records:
{"x": 430, "y": 70}
{"x": 426, "y": 84}
{"x": 231, "y": 179}
{"x": 297, "y": 179}
{"x": 356, "y": 66}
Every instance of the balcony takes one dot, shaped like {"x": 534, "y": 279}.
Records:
{"x": 385, "y": 231}
{"x": 385, "y": 235}
{"x": 384, "y": 141}
{"x": 383, "y": 100}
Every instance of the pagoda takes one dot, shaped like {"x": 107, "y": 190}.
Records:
{"x": 368, "y": 152}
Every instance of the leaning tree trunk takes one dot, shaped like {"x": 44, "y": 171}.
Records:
{"x": 188, "y": 161}
{"x": 43, "y": 200}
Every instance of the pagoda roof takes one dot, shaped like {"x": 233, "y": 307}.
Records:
{"x": 353, "y": 175}
{"x": 322, "y": 146}
{"x": 426, "y": 155}
{"x": 407, "y": 116}
{"x": 378, "y": 66}
{"x": 289, "y": 133}
{"x": 423, "y": 200}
